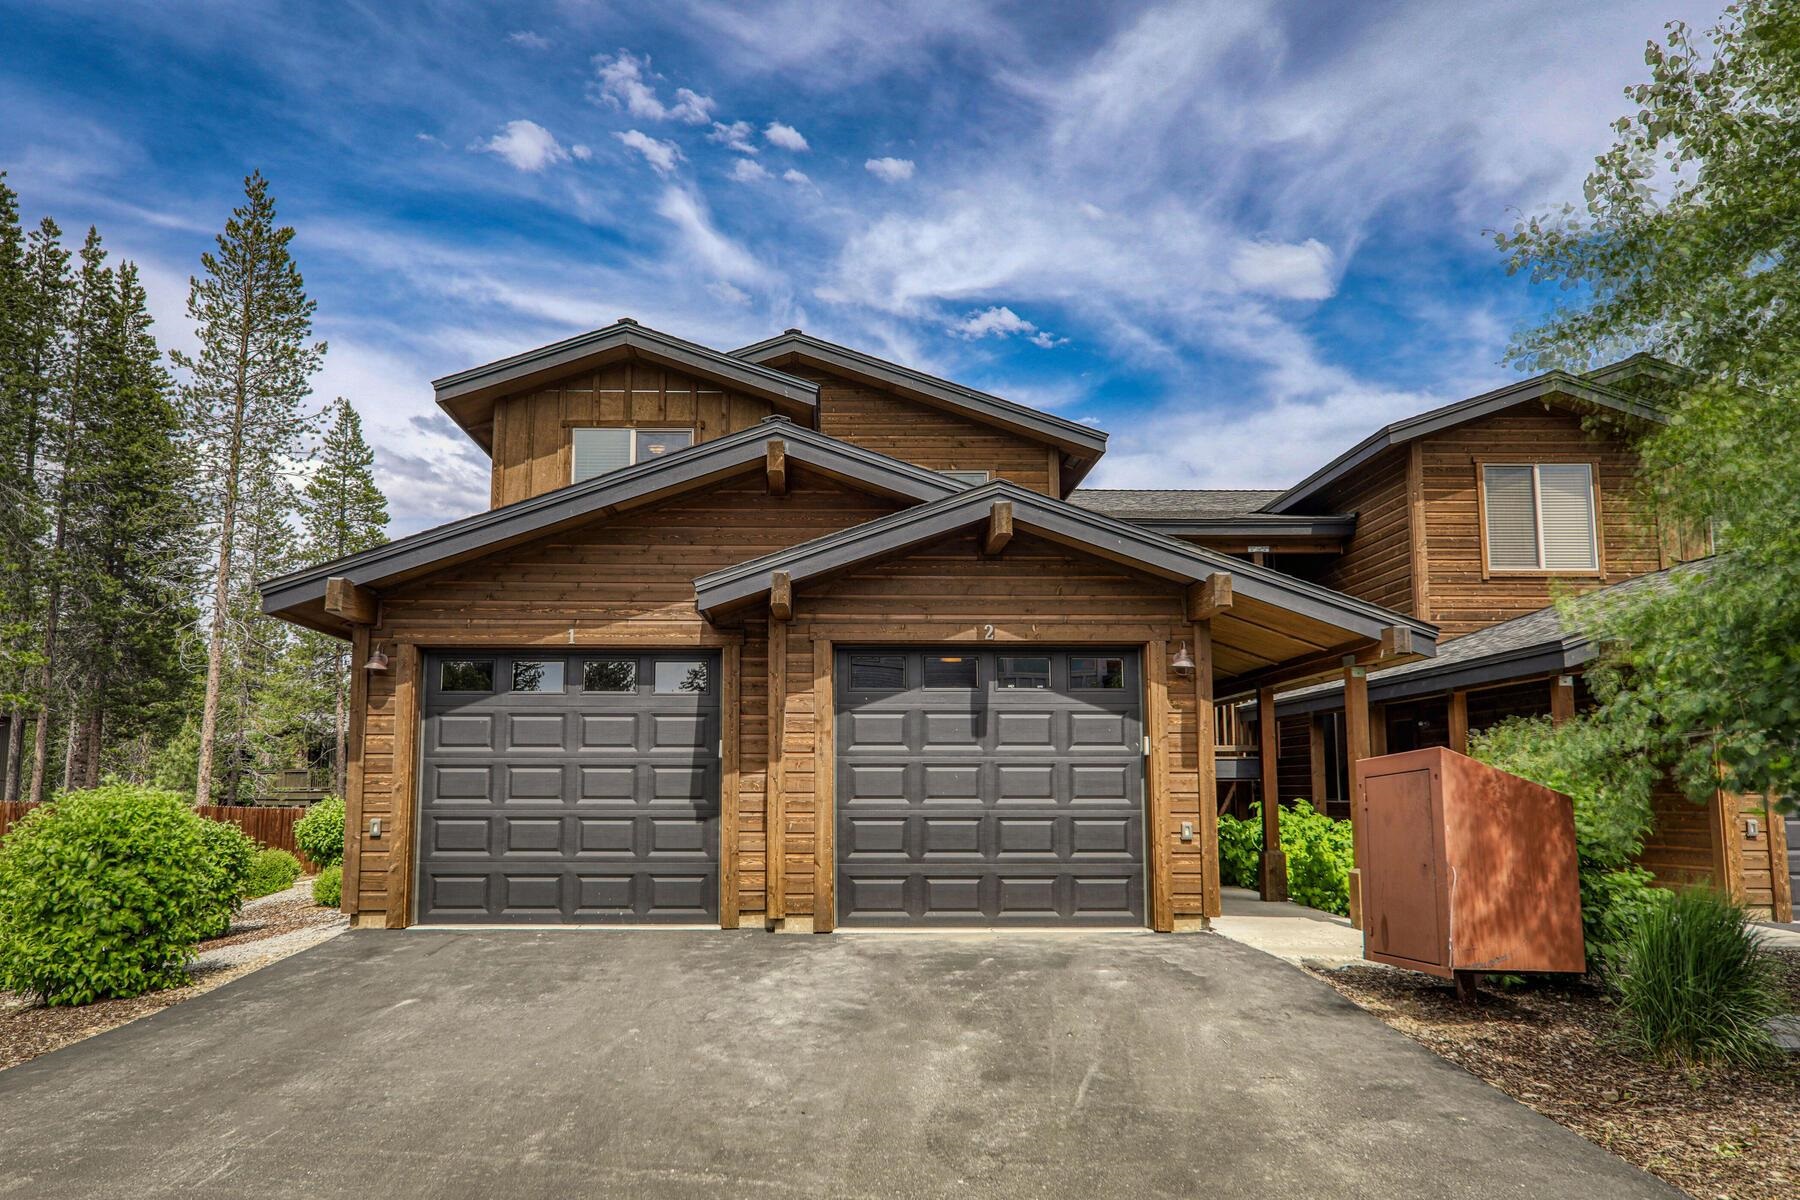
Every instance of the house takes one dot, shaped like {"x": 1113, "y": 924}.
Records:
{"x": 793, "y": 635}
{"x": 1475, "y": 516}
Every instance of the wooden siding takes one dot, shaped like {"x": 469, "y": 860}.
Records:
{"x": 1293, "y": 766}
{"x": 623, "y": 582}
{"x": 1036, "y": 590}
{"x": 1460, "y": 598}
{"x": 532, "y": 431}
{"x": 1376, "y": 564}
{"x": 927, "y": 436}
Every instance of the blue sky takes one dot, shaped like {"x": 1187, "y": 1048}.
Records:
{"x": 1237, "y": 236}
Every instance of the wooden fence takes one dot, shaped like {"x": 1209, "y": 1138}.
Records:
{"x": 271, "y": 826}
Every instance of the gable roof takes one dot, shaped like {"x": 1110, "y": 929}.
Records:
{"x": 297, "y": 595}
{"x": 468, "y": 396}
{"x": 1551, "y": 383}
{"x": 1539, "y": 643}
{"x": 1140, "y": 548}
{"x": 1082, "y": 442}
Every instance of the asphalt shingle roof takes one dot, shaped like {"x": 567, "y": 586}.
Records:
{"x": 1173, "y": 504}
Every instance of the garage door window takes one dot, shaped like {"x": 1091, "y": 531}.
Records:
{"x": 466, "y": 675}
{"x": 951, "y": 671}
{"x": 675, "y": 676}
{"x": 1024, "y": 672}
{"x": 877, "y": 672}
{"x": 531, "y": 675}
{"x": 609, "y": 675}
{"x": 1097, "y": 673}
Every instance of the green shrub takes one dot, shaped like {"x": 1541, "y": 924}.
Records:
{"x": 1610, "y": 782}
{"x": 272, "y": 871}
{"x": 320, "y": 833}
{"x": 328, "y": 888}
{"x": 229, "y": 853}
{"x": 1695, "y": 985}
{"x": 104, "y": 893}
{"x": 1240, "y": 849}
{"x": 1320, "y": 854}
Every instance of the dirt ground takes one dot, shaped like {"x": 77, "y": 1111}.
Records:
{"x": 28, "y": 1029}
{"x": 1716, "y": 1134}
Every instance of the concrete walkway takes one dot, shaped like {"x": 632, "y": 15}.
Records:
{"x": 707, "y": 1063}
{"x": 1290, "y": 932}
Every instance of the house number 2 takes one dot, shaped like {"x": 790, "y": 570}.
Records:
{"x": 987, "y": 633}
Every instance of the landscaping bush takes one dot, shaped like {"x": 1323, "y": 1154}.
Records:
{"x": 1320, "y": 854}
{"x": 272, "y": 871}
{"x": 1240, "y": 849}
{"x": 320, "y": 833}
{"x": 328, "y": 888}
{"x": 1610, "y": 782}
{"x": 104, "y": 893}
{"x": 229, "y": 853}
{"x": 1695, "y": 985}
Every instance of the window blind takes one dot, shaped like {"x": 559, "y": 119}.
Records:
{"x": 1511, "y": 510}
{"x": 1566, "y": 505}
{"x": 597, "y": 451}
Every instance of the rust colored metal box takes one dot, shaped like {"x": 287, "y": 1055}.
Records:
{"x": 1465, "y": 868}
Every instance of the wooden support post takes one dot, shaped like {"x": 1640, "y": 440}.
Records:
{"x": 1315, "y": 749}
{"x": 775, "y": 799}
{"x": 1562, "y": 699}
{"x": 354, "y": 740}
{"x": 824, "y": 790}
{"x": 1783, "y": 899}
{"x": 1356, "y": 748}
{"x": 999, "y": 527}
{"x": 355, "y": 604}
{"x": 406, "y": 788}
{"x": 775, "y": 466}
{"x": 1210, "y": 597}
{"x": 1208, "y": 765}
{"x": 730, "y": 664}
{"x": 1156, "y": 774}
{"x": 1378, "y": 729}
{"x": 781, "y": 596}
{"x": 1268, "y": 736}
{"x": 1459, "y": 721}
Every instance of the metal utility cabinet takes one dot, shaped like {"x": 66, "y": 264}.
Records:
{"x": 1466, "y": 869}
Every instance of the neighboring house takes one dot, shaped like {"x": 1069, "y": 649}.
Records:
{"x": 799, "y": 636}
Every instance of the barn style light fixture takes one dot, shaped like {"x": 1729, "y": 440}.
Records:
{"x": 1184, "y": 661}
{"x": 377, "y": 662}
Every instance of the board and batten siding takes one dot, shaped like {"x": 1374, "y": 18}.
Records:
{"x": 928, "y": 436}
{"x": 622, "y": 582}
{"x": 531, "y": 437}
{"x": 1036, "y": 591}
{"x": 1459, "y": 598}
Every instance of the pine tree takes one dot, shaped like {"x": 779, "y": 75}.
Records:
{"x": 31, "y": 346}
{"x": 243, "y": 398}
{"x": 72, "y": 408}
{"x": 343, "y": 511}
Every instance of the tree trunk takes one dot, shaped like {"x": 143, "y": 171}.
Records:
{"x": 96, "y": 725}
{"x": 215, "y": 648}
{"x": 72, "y": 760}
{"x": 15, "y": 753}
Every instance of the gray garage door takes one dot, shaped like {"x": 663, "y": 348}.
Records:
{"x": 990, "y": 788}
{"x": 569, "y": 788}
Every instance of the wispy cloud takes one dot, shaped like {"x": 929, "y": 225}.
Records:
{"x": 748, "y": 170}
{"x": 784, "y": 136}
{"x": 528, "y": 40}
{"x": 890, "y": 170}
{"x": 734, "y": 135}
{"x": 623, "y": 80}
{"x": 527, "y": 146}
{"x": 1000, "y": 322}
{"x": 662, "y": 156}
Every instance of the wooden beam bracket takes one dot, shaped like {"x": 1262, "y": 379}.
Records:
{"x": 999, "y": 527}
{"x": 351, "y": 601}
{"x": 1209, "y": 597}
{"x": 781, "y": 596}
{"x": 775, "y": 464}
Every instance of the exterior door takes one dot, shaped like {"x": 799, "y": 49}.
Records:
{"x": 569, "y": 788}
{"x": 991, "y": 787}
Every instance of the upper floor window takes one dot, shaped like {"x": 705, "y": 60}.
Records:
{"x": 597, "y": 451}
{"x": 1540, "y": 517}
{"x": 971, "y": 478}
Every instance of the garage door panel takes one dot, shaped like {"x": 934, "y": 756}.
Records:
{"x": 1017, "y": 801}
{"x": 594, "y": 806}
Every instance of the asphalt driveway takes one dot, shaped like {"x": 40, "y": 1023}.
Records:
{"x": 687, "y": 1063}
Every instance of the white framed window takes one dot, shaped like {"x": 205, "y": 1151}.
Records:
{"x": 1539, "y": 517}
{"x": 971, "y": 478}
{"x": 597, "y": 451}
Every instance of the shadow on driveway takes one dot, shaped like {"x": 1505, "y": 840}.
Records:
{"x": 686, "y": 1063}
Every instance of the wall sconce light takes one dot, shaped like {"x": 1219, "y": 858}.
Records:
{"x": 377, "y": 662}
{"x": 1184, "y": 661}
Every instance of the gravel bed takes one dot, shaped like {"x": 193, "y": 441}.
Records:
{"x": 1716, "y": 1134}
